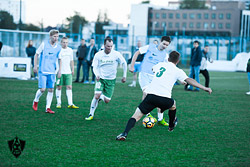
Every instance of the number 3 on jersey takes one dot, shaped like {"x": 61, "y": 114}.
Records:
{"x": 162, "y": 70}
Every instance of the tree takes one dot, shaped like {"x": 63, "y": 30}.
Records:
{"x": 76, "y": 22}
{"x": 6, "y": 20}
{"x": 102, "y": 20}
{"x": 30, "y": 27}
{"x": 193, "y": 4}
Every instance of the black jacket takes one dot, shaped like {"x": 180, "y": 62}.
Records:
{"x": 81, "y": 52}
{"x": 248, "y": 65}
{"x": 92, "y": 53}
{"x": 196, "y": 56}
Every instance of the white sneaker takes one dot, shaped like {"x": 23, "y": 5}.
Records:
{"x": 248, "y": 93}
{"x": 132, "y": 85}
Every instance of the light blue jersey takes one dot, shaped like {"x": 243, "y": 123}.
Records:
{"x": 48, "y": 58}
{"x": 152, "y": 57}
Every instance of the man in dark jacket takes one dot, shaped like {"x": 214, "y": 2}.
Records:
{"x": 81, "y": 55}
{"x": 195, "y": 64}
{"x": 91, "y": 51}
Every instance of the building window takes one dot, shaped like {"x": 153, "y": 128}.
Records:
{"x": 177, "y": 25}
{"x": 177, "y": 15}
{"x": 205, "y": 15}
{"x": 163, "y": 24}
{"x": 170, "y": 25}
{"x": 164, "y": 15}
{"x": 228, "y": 16}
{"x": 206, "y": 26}
{"x": 170, "y": 15}
{"x": 220, "y": 25}
{"x": 157, "y": 25}
{"x": 151, "y": 24}
{"x": 184, "y": 15}
{"x": 228, "y": 25}
{"x": 184, "y": 25}
{"x": 213, "y": 16}
{"x": 191, "y": 25}
{"x": 157, "y": 15}
{"x": 191, "y": 15}
{"x": 221, "y": 16}
{"x": 198, "y": 16}
{"x": 213, "y": 25}
{"x": 198, "y": 25}
{"x": 151, "y": 15}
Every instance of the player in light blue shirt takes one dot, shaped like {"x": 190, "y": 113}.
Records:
{"x": 49, "y": 54}
{"x": 154, "y": 54}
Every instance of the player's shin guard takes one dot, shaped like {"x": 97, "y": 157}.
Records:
{"x": 171, "y": 114}
{"x": 49, "y": 99}
{"x": 93, "y": 106}
{"x": 58, "y": 96}
{"x": 69, "y": 97}
{"x": 38, "y": 95}
{"x": 130, "y": 125}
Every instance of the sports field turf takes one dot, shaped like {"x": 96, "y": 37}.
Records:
{"x": 213, "y": 130}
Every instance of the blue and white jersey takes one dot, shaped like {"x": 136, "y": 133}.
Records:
{"x": 152, "y": 57}
{"x": 48, "y": 57}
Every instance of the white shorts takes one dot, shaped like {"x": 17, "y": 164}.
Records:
{"x": 144, "y": 80}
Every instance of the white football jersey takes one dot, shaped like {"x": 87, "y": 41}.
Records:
{"x": 165, "y": 76}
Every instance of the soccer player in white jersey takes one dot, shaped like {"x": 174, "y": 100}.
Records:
{"x": 154, "y": 54}
{"x": 67, "y": 71}
{"x": 105, "y": 64}
{"x": 159, "y": 93}
{"x": 49, "y": 55}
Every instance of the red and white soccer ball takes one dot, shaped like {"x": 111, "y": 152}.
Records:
{"x": 148, "y": 122}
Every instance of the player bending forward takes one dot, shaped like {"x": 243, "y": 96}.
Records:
{"x": 105, "y": 68}
{"x": 159, "y": 92}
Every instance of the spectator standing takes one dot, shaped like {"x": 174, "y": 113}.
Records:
{"x": 81, "y": 55}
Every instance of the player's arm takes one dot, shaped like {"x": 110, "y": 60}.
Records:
{"x": 95, "y": 68}
{"x": 35, "y": 63}
{"x": 124, "y": 65}
{"x": 131, "y": 69}
{"x": 72, "y": 66}
{"x": 38, "y": 51}
{"x": 59, "y": 74}
{"x": 193, "y": 82}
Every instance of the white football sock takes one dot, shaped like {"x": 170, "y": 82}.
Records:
{"x": 49, "y": 99}
{"x": 38, "y": 95}
{"x": 134, "y": 83}
{"x": 160, "y": 116}
{"x": 102, "y": 97}
{"x": 58, "y": 96}
{"x": 93, "y": 106}
{"x": 69, "y": 96}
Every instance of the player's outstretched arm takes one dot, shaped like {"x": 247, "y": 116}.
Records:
{"x": 193, "y": 82}
{"x": 131, "y": 69}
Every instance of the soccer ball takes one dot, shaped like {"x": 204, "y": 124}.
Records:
{"x": 148, "y": 122}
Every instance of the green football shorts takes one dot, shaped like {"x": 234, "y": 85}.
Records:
{"x": 66, "y": 79}
{"x": 106, "y": 87}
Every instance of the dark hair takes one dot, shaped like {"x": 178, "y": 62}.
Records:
{"x": 197, "y": 42}
{"x": 64, "y": 38}
{"x": 107, "y": 39}
{"x": 166, "y": 38}
{"x": 174, "y": 56}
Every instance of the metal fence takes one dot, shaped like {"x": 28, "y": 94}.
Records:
{"x": 221, "y": 48}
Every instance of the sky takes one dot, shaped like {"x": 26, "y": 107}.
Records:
{"x": 53, "y": 12}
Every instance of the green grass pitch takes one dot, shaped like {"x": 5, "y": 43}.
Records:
{"x": 213, "y": 130}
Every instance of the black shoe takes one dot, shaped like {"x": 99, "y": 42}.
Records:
{"x": 76, "y": 81}
{"x": 170, "y": 129}
{"x": 121, "y": 137}
{"x": 189, "y": 90}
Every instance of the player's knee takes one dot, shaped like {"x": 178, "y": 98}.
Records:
{"x": 106, "y": 100}
{"x": 173, "y": 107}
{"x": 69, "y": 87}
{"x": 59, "y": 87}
{"x": 50, "y": 90}
{"x": 42, "y": 90}
{"x": 97, "y": 96}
